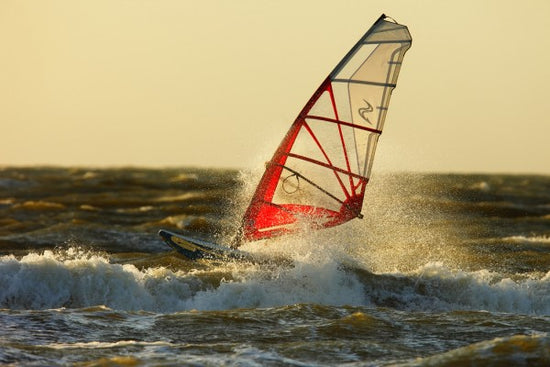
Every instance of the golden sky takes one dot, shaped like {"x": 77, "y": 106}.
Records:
{"x": 217, "y": 83}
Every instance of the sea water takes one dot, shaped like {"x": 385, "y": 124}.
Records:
{"x": 442, "y": 270}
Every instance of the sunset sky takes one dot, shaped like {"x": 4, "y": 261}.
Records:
{"x": 217, "y": 83}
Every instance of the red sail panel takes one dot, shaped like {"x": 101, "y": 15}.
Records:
{"x": 317, "y": 176}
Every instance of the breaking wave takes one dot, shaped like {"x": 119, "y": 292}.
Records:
{"x": 77, "y": 279}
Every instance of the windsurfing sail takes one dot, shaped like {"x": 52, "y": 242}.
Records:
{"x": 318, "y": 174}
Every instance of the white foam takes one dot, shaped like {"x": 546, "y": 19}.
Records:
{"x": 107, "y": 345}
{"x": 437, "y": 287}
{"x": 305, "y": 283}
{"x": 75, "y": 280}
{"x": 52, "y": 280}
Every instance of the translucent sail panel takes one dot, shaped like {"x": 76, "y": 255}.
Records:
{"x": 363, "y": 83}
{"x": 370, "y": 87}
{"x": 318, "y": 162}
{"x": 324, "y": 106}
{"x": 317, "y": 176}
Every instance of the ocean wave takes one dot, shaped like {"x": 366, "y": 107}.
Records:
{"x": 51, "y": 280}
{"x": 141, "y": 209}
{"x": 483, "y": 186}
{"x": 77, "y": 279}
{"x": 39, "y": 205}
{"x": 107, "y": 345}
{"x": 516, "y": 350}
{"x": 7, "y": 201}
{"x": 14, "y": 183}
{"x": 527, "y": 240}
{"x": 435, "y": 287}
{"x": 198, "y": 224}
{"x": 184, "y": 177}
{"x": 187, "y": 196}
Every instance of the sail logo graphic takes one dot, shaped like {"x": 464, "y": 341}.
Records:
{"x": 364, "y": 110}
{"x": 291, "y": 184}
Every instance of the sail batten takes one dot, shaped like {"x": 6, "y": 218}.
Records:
{"x": 313, "y": 184}
{"x": 326, "y": 165}
{"x": 382, "y": 42}
{"x": 368, "y": 82}
{"x": 345, "y": 123}
{"x": 318, "y": 175}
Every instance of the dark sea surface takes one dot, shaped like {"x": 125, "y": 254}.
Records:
{"x": 444, "y": 270}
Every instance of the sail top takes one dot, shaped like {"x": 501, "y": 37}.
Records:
{"x": 318, "y": 174}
